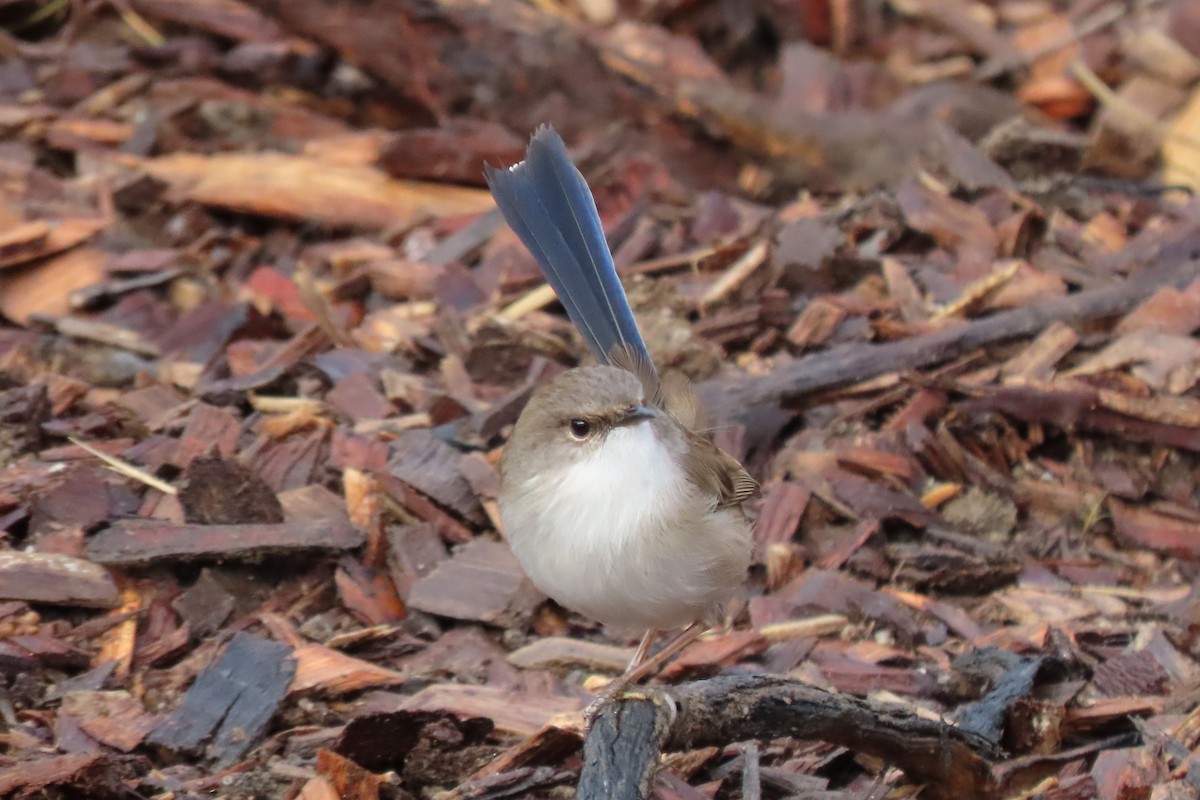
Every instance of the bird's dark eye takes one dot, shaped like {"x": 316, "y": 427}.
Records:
{"x": 580, "y": 428}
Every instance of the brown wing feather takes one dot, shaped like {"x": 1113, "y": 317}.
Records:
{"x": 719, "y": 473}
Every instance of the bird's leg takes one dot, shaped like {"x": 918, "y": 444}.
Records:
{"x": 669, "y": 650}
{"x": 643, "y": 649}
{"x": 635, "y": 672}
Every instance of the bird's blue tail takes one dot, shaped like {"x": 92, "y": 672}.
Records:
{"x": 547, "y": 202}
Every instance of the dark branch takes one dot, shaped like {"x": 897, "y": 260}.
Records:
{"x": 845, "y": 366}
{"x": 623, "y": 746}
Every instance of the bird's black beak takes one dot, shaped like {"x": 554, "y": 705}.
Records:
{"x": 636, "y": 414}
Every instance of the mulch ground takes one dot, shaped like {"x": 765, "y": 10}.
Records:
{"x": 935, "y": 267}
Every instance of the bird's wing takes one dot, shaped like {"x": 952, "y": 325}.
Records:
{"x": 718, "y": 473}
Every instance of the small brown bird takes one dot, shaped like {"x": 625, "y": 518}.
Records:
{"x": 613, "y": 500}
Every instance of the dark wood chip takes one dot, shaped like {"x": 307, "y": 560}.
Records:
{"x": 221, "y": 492}
{"x": 228, "y": 708}
{"x": 428, "y": 464}
{"x": 22, "y": 412}
{"x": 134, "y": 542}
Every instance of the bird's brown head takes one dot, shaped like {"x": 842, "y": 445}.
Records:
{"x": 571, "y": 417}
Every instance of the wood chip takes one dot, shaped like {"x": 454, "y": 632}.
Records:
{"x": 54, "y": 578}
{"x": 429, "y": 464}
{"x": 513, "y": 713}
{"x": 1035, "y": 364}
{"x": 481, "y": 582}
{"x": 230, "y": 705}
{"x": 309, "y": 190}
{"x": 709, "y": 654}
{"x": 1144, "y": 527}
{"x": 148, "y": 541}
{"x": 31, "y": 240}
{"x": 815, "y": 325}
{"x": 350, "y": 781}
{"x": 34, "y": 775}
{"x": 44, "y": 288}
{"x": 1104, "y": 712}
{"x": 322, "y": 670}
{"x": 560, "y": 652}
{"x": 113, "y": 718}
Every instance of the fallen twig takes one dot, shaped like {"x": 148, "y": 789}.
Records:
{"x": 850, "y": 364}
{"x": 622, "y": 749}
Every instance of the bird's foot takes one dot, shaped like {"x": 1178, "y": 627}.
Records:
{"x": 608, "y": 695}
{"x": 635, "y": 673}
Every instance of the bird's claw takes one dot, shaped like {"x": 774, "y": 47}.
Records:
{"x": 608, "y": 695}
{"x": 593, "y": 709}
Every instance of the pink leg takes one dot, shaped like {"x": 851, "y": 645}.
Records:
{"x": 642, "y": 649}
{"x": 651, "y": 665}
{"x": 636, "y": 671}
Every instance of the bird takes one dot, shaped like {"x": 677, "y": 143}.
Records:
{"x": 614, "y": 500}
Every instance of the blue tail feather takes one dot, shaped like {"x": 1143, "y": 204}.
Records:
{"x": 548, "y": 204}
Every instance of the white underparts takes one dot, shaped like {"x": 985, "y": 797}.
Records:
{"x": 622, "y": 536}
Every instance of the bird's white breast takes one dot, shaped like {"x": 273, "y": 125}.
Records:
{"x": 621, "y": 535}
